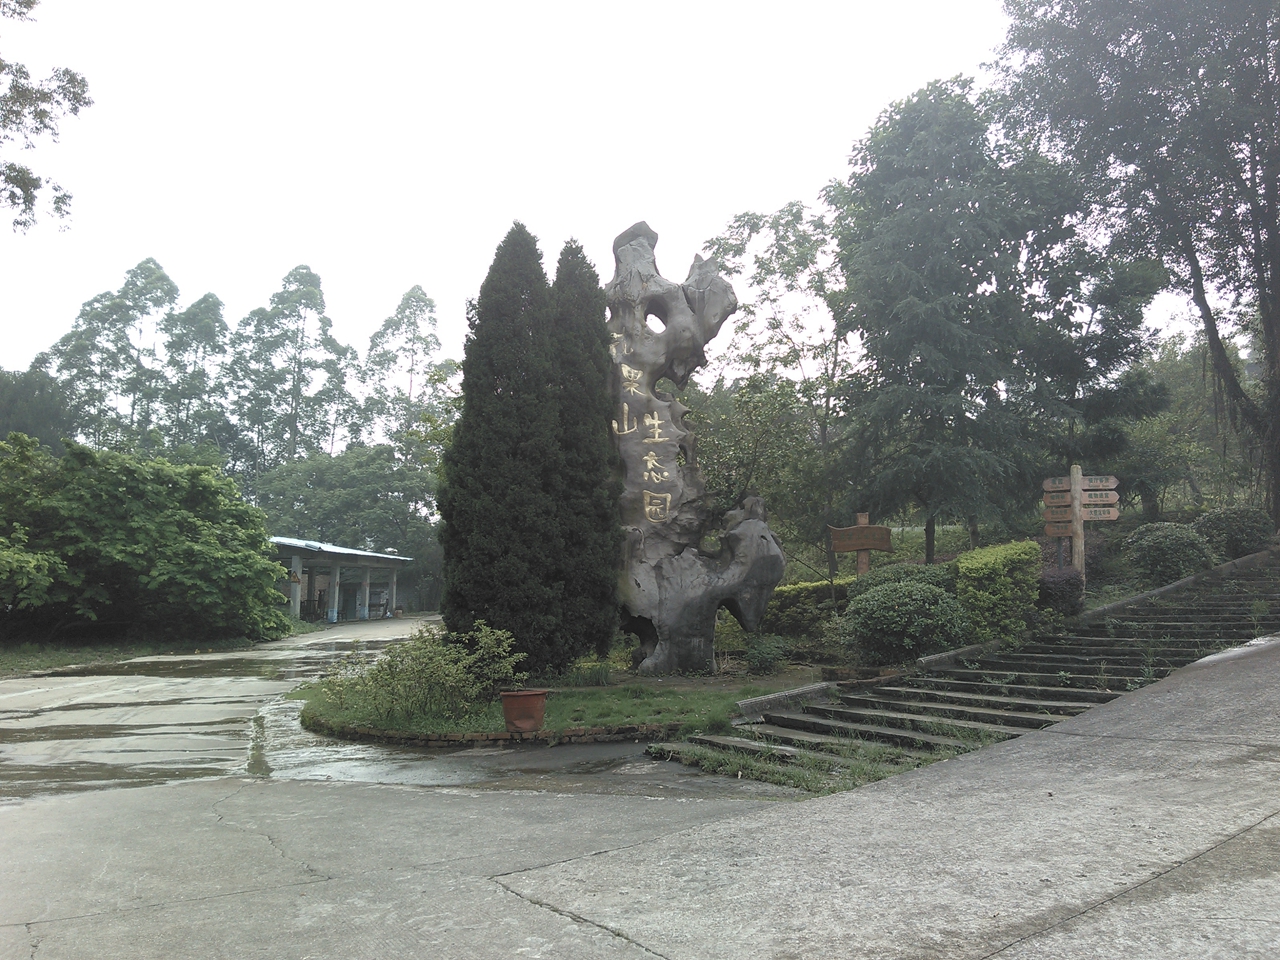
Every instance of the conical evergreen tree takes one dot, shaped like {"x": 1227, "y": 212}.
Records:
{"x": 584, "y": 488}
{"x": 529, "y": 502}
{"x": 500, "y": 534}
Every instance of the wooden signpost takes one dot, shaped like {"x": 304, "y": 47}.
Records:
{"x": 1070, "y": 501}
{"x": 861, "y": 539}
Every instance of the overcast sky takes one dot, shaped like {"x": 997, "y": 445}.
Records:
{"x": 388, "y": 144}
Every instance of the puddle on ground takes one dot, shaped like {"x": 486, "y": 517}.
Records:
{"x": 160, "y": 719}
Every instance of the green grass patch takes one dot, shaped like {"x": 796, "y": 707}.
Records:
{"x": 696, "y": 708}
{"x": 28, "y": 656}
{"x": 850, "y": 766}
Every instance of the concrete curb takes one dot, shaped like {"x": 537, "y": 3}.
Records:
{"x": 753, "y": 707}
{"x": 548, "y": 738}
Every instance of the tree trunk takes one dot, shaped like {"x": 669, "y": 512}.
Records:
{"x": 1150, "y": 504}
{"x": 975, "y": 538}
{"x": 930, "y": 529}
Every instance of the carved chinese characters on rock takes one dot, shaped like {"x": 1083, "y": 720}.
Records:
{"x": 671, "y": 586}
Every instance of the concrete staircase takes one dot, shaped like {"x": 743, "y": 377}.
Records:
{"x": 975, "y": 698}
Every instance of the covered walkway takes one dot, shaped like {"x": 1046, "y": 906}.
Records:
{"x": 328, "y": 582}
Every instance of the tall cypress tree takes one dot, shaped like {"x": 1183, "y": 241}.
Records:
{"x": 500, "y": 535}
{"x": 584, "y": 488}
{"x": 530, "y": 533}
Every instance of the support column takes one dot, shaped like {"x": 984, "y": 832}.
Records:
{"x": 391, "y": 594}
{"x": 362, "y": 599}
{"x": 295, "y": 587}
{"x": 335, "y": 590}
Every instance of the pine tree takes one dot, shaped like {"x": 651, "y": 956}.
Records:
{"x": 584, "y": 488}
{"x": 501, "y": 536}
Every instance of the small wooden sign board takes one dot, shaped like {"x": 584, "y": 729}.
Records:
{"x": 1092, "y": 498}
{"x": 1086, "y": 483}
{"x": 869, "y": 537}
{"x": 861, "y": 540}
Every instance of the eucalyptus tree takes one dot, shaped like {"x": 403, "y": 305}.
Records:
{"x": 108, "y": 362}
{"x": 288, "y": 377}
{"x": 406, "y": 379}
{"x": 1171, "y": 111}
{"x": 34, "y": 403}
{"x": 194, "y": 395}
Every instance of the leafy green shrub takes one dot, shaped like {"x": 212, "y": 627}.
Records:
{"x": 144, "y": 547}
{"x": 763, "y": 651}
{"x": 428, "y": 675}
{"x": 1061, "y": 591}
{"x": 1165, "y": 552}
{"x": 898, "y": 621}
{"x": 800, "y": 609}
{"x": 997, "y": 588}
{"x": 941, "y": 575}
{"x": 1235, "y": 532}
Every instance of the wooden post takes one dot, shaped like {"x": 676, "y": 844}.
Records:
{"x": 392, "y": 595}
{"x": 335, "y": 590}
{"x": 295, "y": 587}
{"x": 864, "y": 556}
{"x": 1077, "y": 519}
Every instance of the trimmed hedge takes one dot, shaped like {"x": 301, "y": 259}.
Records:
{"x": 1235, "y": 532}
{"x": 1061, "y": 591}
{"x": 800, "y": 609}
{"x": 941, "y": 575}
{"x": 900, "y": 621}
{"x": 1166, "y": 552}
{"x": 998, "y": 587}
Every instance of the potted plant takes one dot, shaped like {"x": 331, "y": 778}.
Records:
{"x": 523, "y": 710}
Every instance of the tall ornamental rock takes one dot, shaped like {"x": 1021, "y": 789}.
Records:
{"x": 670, "y": 587}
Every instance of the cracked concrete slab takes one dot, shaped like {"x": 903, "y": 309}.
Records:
{"x": 1147, "y": 828}
{"x": 1055, "y": 839}
{"x": 308, "y": 869}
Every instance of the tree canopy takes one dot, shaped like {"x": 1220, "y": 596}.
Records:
{"x": 1171, "y": 112}
{"x": 31, "y": 109}
{"x": 100, "y": 542}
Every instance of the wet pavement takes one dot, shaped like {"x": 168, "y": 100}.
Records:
{"x": 157, "y": 720}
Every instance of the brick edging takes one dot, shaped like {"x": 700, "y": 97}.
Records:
{"x": 550, "y": 738}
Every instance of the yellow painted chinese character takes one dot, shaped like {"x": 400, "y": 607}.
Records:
{"x": 657, "y": 506}
{"x": 631, "y": 378}
{"x": 653, "y": 422}
{"x": 629, "y": 424}
{"x": 653, "y": 470}
{"x": 618, "y": 346}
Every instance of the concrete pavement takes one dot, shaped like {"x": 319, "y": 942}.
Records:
{"x": 1147, "y": 828}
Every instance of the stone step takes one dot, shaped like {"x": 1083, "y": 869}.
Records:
{"x": 911, "y": 721}
{"x": 1006, "y": 665}
{"x": 1028, "y": 678}
{"x": 948, "y": 712}
{"x": 867, "y": 731}
{"x": 819, "y": 742}
{"x": 1188, "y": 644}
{"x": 757, "y": 748}
{"x": 942, "y": 683}
{"x": 991, "y": 699}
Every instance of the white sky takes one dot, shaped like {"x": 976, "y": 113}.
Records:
{"x": 386, "y": 144}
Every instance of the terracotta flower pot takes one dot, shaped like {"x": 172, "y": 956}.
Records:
{"x": 523, "y": 710}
